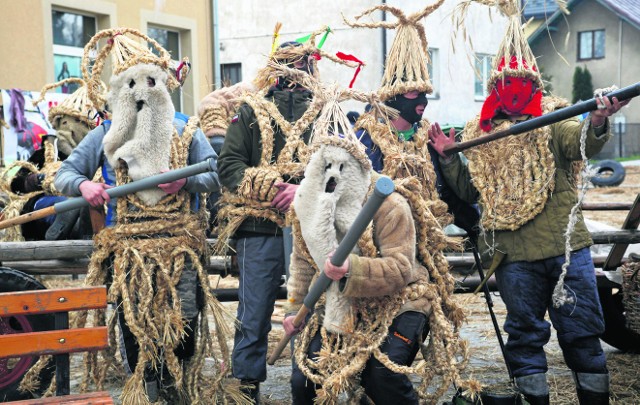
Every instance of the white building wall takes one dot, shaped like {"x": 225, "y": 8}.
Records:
{"x": 246, "y": 27}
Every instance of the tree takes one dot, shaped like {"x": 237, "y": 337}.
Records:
{"x": 582, "y": 85}
{"x": 546, "y": 81}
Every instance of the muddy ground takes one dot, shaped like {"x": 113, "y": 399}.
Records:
{"x": 486, "y": 363}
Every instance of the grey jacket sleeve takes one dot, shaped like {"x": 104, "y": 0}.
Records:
{"x": 82, "y": 164}
{"x": 199, "y": 151}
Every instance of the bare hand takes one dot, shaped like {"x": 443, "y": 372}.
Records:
{"x": 95, "y": 193}
{"x": 605, "y": 109}
{"x": 289, "y": 328}
{"x": 284, "y": 196}
{"x": 439, "y": 140}
{"x": 336, "y": 272}
{"x": 174, "y": 186}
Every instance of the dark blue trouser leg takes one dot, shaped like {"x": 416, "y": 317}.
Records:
{"x": 383, "y": 386}
{"x": 261, "y": 262}
{"x": 527, "y": 288}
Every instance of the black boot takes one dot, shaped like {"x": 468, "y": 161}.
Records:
{"x": 593, "y": 389}
{"x": 534, "y": 388}
{"x": 536, "y": 399}
{"x": 592, "y": 398}
{"x": 251, "y": 388}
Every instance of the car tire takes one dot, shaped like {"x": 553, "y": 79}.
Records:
{"x": 609, "y": 173}
{"x": 13, "y": 370}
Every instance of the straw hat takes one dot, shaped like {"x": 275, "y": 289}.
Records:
{"x": 126, "y": 51}
{"x": 77, "y": 105}
{"x": 406, "y": 66}
{"x": 304, "y": 48}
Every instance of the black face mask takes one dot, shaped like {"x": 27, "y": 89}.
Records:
{"x": 407, "y": 107}
{"x": 284, "y": 83}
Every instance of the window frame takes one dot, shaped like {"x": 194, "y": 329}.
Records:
{"x": 593, "y": 45}
{"x": 66, "y": 50}
{"x": 434, "y": 74}
{"x": 233, "y": 64}
{"x": 176, "y": 62}
{"x": 482, "y": 75}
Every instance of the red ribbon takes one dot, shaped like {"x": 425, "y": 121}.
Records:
{"x": 351, "y": 58}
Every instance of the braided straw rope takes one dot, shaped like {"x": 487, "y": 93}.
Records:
{"x": 402, "y": 159}
{"x": 255, "y": 192}
{"x": 342, "y": 357}
{"x": 149, "y": 248}
{"x": 406, "y": 66}
{"x": 126, "y": 52}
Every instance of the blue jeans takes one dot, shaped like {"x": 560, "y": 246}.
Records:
{"x": 382, "y": 385}
{"x": 261, "y": 262}
{"x": 526, "y": 289}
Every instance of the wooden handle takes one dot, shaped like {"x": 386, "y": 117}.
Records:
{"x": 297, "y": 321}
{"x": 31, "y": 216}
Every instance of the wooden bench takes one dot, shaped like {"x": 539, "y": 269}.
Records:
{"x": 58, "y": 342}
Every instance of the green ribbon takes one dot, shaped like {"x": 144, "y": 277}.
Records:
{"x": 304, "y": 39}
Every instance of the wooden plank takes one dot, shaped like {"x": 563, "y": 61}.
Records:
{"x": 93, "y": 398}
{"x": 618, "y": 250}
{"x": 49, "y": 301}
{"x": 606, "y": 206}
{"x": 53, "y": 342}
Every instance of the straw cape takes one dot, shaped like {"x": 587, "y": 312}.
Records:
{"x": 514, "y": 175}
{"x": 254, "y": 194}
{"x": 405, "y": 70}
{"x": 145, "y": 280}
{"x": 363, "y": 323}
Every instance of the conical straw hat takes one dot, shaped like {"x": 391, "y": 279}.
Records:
{"x": 406, "y": 65}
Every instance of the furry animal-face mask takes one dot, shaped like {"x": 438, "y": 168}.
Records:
{"x": 70, "y": 131}
{"x": 327, "y": 202}
{"x": 142, "y": 124}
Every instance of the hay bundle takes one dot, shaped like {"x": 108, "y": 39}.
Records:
{"x": 631, "y": 294}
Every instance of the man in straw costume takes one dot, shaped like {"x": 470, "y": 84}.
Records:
{"x": 369, "y": 326}
{"x": 260, "y": 165}
{"x": 152, "y": 251}
{"x": 526, "y": 187}
{"x": 31, "y": 188}
{"x": 398, "y": 145}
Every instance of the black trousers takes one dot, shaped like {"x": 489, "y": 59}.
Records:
{"x": 381, "y": 385}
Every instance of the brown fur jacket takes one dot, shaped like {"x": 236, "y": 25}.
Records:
{"x": 395, "y": 268}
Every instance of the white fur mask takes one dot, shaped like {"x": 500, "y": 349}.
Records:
{"x": 326, "y": 203}
{"x": 142, "y": 124}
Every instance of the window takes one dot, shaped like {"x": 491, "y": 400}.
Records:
{"x": 70, "y": 33}
{"x": 483, "y": 71}
{"x": 591, "y": 45}
{"x": 434, "y": 72}
{"x": 170, "y": 41}
{"x": 231, "y": 73}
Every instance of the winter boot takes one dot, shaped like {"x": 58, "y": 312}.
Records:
{"x": 251, "y": 388}
{"x": 62, "y": 225}
{"x": 534, "y": 388}
{"x": 593, "y": 389}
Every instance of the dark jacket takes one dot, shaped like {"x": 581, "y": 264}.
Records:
{"x": 243, "y": 148}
